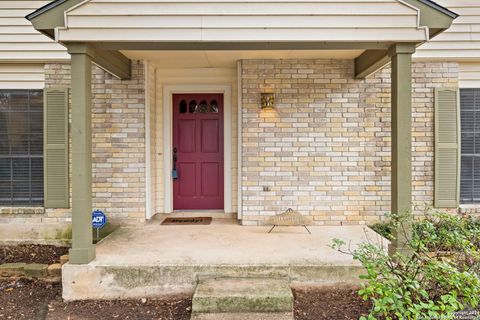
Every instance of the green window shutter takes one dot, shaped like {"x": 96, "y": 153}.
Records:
{"x": 56, "y": 148}
{"x": 447, "y": 148}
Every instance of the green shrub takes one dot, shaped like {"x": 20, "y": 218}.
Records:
{"x": 436, "y": 278}
{"x": 445, "y": 226}
{"x": 385, "y": 229}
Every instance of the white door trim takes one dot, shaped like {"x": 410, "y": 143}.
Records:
{"x": 168, "y": 91}
{"x": 239, "y": 141}
{"x": 148, "y": 163}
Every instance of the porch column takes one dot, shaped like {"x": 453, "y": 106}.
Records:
{"x": 83, "y": 250}
{"x": 401, "y": 201}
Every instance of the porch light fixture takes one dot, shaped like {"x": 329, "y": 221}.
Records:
{"x": 267, "y": 101}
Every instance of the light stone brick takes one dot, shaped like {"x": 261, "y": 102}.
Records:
{"x": 118, "y": 145}
{"x": 331, "y": 134}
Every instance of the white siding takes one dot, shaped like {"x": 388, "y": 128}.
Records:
{"x": 236, "y": 20}
{"x": 19, "y": 41}
{"x": 469, "y": 75}
{"x": 462, "y": 41}
{"x": 24, "y": 76}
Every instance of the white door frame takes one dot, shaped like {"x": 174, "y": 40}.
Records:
{"x": 168, "y": 91}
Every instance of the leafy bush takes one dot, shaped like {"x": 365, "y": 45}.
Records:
{"x": 446, "y": 227}
{"x": 436, "y": 278}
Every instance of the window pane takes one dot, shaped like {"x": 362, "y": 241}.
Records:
{"x": 214, "y": 106}
{"x": 468, "y": 143}
{"x": 467, "y": 119}
{"x": 36, "y": 123}
{"x": 21, "y": 147}
{"x": 19, "y": 100}
{"x": 192, "y": 106}
{"x": 19, "y": 144}
{"x": 4, "y": 145}
{"x": 467, "y": 99}
{"x": 203, "y": 107}
{"x": 183, "y": 106}
{"x": 476, "y": 191}
{"x": 36, "y": 101}
{"x": 466, "y": 168}
{"x": 4, "y": 101}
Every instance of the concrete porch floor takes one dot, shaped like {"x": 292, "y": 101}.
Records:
{"x": 155, "y": 259}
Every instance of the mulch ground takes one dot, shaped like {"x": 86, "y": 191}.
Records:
{"x": 31, "y": 253}
{"x": 38, "y": 300}
{"x": 339, "y": 303}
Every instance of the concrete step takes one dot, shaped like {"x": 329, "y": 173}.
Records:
{"x": 87, "y": 281}
{"x": 242, "y": 295}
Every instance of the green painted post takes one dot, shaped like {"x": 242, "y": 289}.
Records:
{"x": 401, "y": 201}
{"x": 83, "y": 250}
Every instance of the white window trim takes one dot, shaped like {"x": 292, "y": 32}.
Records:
{"x": 168, "y": 91}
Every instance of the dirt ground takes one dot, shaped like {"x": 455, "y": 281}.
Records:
{"x": 31, "y": 253}
{"x": 29, "y": 299}
{"x": 339, "y": 303}
{"x": 37, "y": 300}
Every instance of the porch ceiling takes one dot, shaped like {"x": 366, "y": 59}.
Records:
{"x": 228, "y": 59}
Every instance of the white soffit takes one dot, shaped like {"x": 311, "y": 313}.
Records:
{"x": 234, "y": 20}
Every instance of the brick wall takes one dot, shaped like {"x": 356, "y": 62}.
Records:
{"x": 118, "y": 148}
{"x": 325, "y": 149}
{"x": 118, "y": 120}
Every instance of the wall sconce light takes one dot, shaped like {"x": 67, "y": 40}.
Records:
{"x": 268, "y": 101}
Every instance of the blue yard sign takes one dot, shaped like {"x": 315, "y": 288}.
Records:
{"x": 99, "y": 219}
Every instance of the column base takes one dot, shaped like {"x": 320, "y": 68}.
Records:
{"x": 81, "y": 255}
{"x": 404, "y": 251}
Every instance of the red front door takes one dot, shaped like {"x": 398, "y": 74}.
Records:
{"x": 197, "y": 151}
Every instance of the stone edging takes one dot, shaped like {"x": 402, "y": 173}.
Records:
{"x": 52, "y": 272}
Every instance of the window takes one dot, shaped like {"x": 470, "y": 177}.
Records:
{"x": 202, "y": 107}
{"x": 183, "y": 106}
{"x": 21, "y": 148}
{"x": 470, "y": 165}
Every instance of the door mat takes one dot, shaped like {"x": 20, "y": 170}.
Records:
{"x": 187, "y": 221}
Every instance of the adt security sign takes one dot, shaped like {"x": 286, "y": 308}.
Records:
{"x": 99, "y": 219}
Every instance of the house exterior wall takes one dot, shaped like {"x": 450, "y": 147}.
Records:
{"x": 19, "y": 41}
{"x": 461, "y": 42}
{"x": 118, "y": 151}
{"x": 469, "y": 76}
{"x": 22, "y": 76}
{"x": 325, "y": 149}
